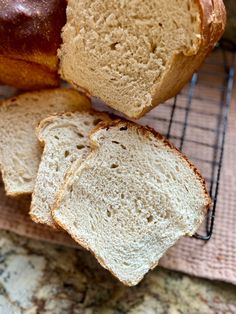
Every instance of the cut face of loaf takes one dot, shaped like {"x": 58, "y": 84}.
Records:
{"x": 20, "y": 151}
{"x": 132, "y": 199}
{"x": 66, "y": 139}
{"x": 135, "y": 54}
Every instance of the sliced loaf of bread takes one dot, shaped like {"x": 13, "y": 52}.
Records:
{"x": 66, "y": 139}
{"x": 136, "y": 54}
{"x": 132, "y": 198}
{"x": 20, "y": 151}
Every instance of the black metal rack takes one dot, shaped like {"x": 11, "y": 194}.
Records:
{"x": 196, "y": 121}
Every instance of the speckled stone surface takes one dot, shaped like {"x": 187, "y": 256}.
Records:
{"x": 37, "y": 277}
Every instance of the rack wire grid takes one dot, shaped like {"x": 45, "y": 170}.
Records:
{"x": 196, "y": 122}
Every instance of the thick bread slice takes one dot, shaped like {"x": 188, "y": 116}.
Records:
{"x": 20, "y": 151}
{"x": 135, "y": 54}
{"x": 133, "y": 198}
{"x": 66, "y": 139}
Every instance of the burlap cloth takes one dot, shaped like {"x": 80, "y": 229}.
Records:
{"x": 215, "y": 259}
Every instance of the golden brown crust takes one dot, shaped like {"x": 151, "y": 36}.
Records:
{"x": 213, "y": 21}
{"x": 26, "y": 75}
{"x": 146, "y": 131}
{"x": 213, "y": 17}
{"x": 30, "y": 34}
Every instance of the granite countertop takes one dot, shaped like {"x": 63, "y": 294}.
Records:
{"x": 37, "y": 277}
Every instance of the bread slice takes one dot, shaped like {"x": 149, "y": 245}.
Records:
{"x": 136, "y": 54}
{"x": 133, "y": 198}
{"x": 20, "y": 151}
{"x": 66, "y": 139}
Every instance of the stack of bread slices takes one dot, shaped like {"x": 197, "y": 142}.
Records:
{"x": 121, "y": 190}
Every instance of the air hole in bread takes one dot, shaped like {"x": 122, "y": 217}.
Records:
{"x": 26, "y": 179}
{"x": 67, "y": 153}
{"x": 108, "y": 213}
{"x": 115, "y": 142}
{"x": 160, "y": 24}
{"x": 153, "y": 48}
{"x": 113, "y": 46}
{"x": 123, "y": 146}
{"x": 56, "y": 137}
{"x": 193, "y": 18}
{"x": 80, "y": 134}
{"x": 113, "y": 166}
{"x": 122, "y": 196}
{"x": 123, "y": 128}
{"x": 150, "y": 218}
{"x": 80, "y": 146}
{"x": 186, "y": 188}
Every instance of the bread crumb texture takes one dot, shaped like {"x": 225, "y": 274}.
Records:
{"x": 66, "y": 139}
{"x": 132, "y": 199}
{"x": 120, "y": 50}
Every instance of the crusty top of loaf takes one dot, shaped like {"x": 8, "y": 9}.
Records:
{"x": 28, "y": 26}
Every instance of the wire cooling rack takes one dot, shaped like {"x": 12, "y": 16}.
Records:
{"x": 196, "y": 122}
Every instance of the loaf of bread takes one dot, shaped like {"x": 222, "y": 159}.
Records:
{"x": 132, "y": 198}
{"x": 29, "y": 39}
{"x": 20, "y": 151}
{"x": 136, "y": 54}
{"x": 66, "y": 139}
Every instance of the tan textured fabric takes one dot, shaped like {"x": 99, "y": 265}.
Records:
{"x": 215, "y": 259}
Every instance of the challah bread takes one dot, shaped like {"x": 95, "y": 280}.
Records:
{"x": 20, "y": 151}
{"x": 136, "y": 54}
{"x": 29, "y": 38}
{"x": 132, "y": 198}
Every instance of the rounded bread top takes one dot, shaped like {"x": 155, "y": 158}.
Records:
{"x": 31, "y": 26}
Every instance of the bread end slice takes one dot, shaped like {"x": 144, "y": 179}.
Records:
{"x": 20, "y": 151}
{"x": 133, "y": 198}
